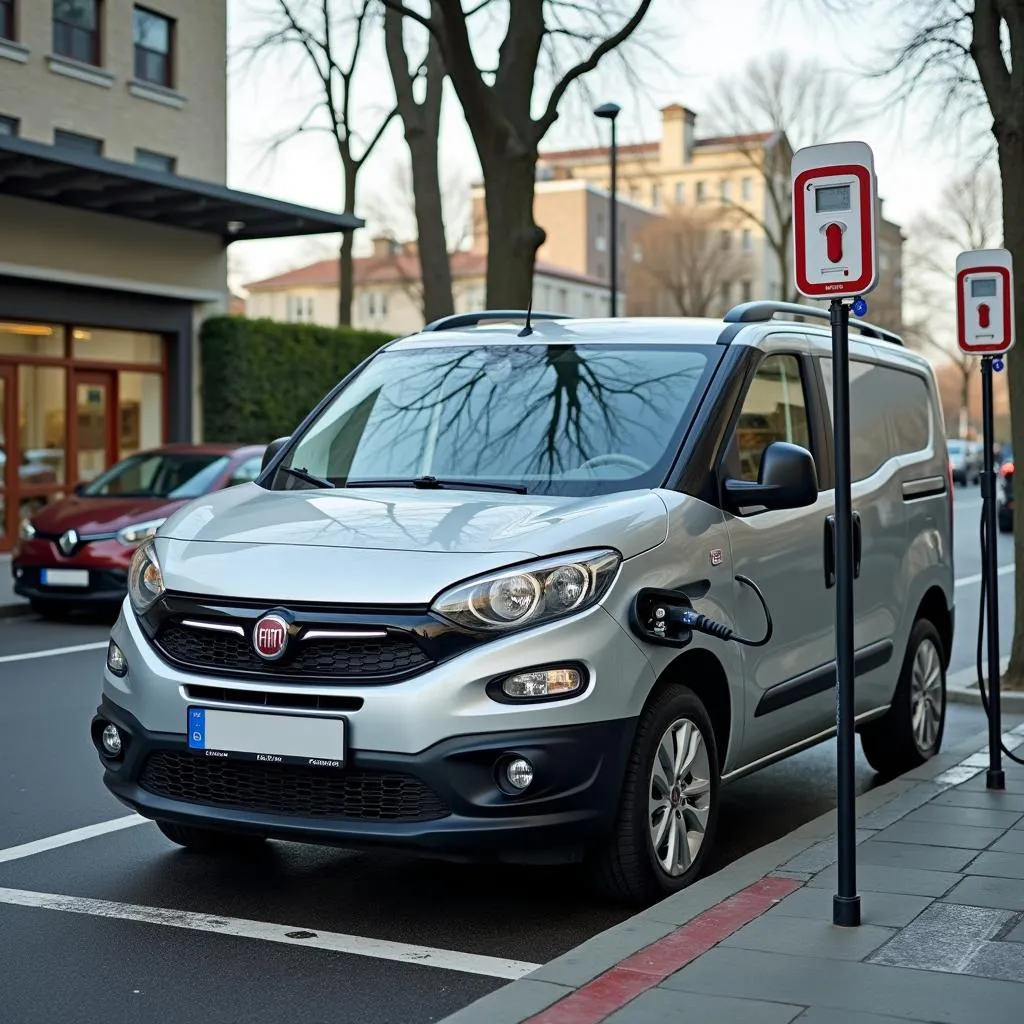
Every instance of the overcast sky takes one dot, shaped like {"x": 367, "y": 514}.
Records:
{"x": 699, "y": 40}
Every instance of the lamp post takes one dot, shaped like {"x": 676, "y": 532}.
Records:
{"x": 610, "y": 111}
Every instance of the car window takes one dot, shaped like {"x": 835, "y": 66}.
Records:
{"x": 159, "y": 475}
{"x": 247, "y": 471}
{"x": 774, "y": 409}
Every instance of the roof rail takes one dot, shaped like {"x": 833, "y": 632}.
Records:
{"x": 457, "y": 320}
{"x": 759, "y": 312}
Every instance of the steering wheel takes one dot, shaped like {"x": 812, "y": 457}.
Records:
{"x": 613, "y": 459}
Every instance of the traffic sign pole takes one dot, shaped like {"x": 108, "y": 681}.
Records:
{"x": 834, "y": 202}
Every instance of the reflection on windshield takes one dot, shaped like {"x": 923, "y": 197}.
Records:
{"x": 173, "y": 476}
{"x": 560, "y": 418}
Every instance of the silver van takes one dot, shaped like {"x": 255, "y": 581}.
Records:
{"x": 533, "y": 591}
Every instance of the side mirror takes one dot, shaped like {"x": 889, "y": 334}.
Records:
{"x": 787, "y": 478}
{"x": 79, "y": 488}
{"x": 272, "y": 449}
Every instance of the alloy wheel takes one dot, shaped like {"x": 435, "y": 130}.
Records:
{"x": 926, "y": 695}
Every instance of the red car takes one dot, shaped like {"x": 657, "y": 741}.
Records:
{"x": 75, "y": 552}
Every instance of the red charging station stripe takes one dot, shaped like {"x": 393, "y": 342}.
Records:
{"x": 650, "y": 966}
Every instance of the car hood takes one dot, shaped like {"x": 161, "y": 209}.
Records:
{"x": 384, "y": 546}
{"x": 100, "y": 515}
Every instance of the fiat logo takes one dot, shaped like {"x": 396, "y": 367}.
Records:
{"x": 269, "y": 637}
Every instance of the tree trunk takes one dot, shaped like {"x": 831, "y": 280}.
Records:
{"x": 509, "y": 181}
{"x": 965, "y": 400}
{"x": 435, "y": 270}
{"x": 346, "y": 280}
{"x": 1011, "y": 166}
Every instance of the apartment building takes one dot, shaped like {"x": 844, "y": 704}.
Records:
{"x": 737, "y": 183}
{"x": 388, "y": 291}
{"x": 115, "y": 223}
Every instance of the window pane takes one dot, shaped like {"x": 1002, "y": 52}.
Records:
{"x": 152, "y": 31}
{"x": 31, "y": 339}
{"x": 6, "y": 19}
{"x": 140, "y": 423}
{"x": 79, "y": 143}
{"x": 774, "y": 410}
{"x": 116, "y": 346}
{"x": 151, "y": 67}
{"x": 82, "y": 13}
{"x": 41, "y": 425}
{"x": 92, "y": 408}
{"x": 155, "y": 161}
{"x": 911, "y": 412}
{"x": 8, "y": 125}
{"x": 247, "y": 471}
{"x": 177, "y": 475}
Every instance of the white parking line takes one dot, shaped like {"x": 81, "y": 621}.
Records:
{"x": 69, "y": 838}
{"x": 970, "y": 581}
{"x": 76, "y": 649}
{"x": 292, "y": 935}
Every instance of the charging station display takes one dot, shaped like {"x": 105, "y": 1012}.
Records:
{"x": 834, "y": 220}
{"x": 984, "y": 302}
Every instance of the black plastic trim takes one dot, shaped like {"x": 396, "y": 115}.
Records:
{"x": 819, "y": 680}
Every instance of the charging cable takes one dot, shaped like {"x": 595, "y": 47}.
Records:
{"x": 702, "y": 624}
{"x": 985, "y": 584}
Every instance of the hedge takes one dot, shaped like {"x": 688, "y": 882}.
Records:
{"x": 261, "y": 377}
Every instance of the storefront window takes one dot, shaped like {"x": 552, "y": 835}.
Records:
{"x": 140, "y": 397}
{"x": 41, "y": 426}
{"x": 107, "y": 346}
{"x": 31, "y": 340}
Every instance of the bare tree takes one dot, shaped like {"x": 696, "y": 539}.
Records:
{"x": 794, "y": 104}
{"x": 689, "y": 255}
{"x": 967, "y": 57}
{"x": 324, "y": 40}
{"x": 499, "y": 106}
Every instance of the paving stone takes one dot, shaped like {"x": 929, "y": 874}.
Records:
{"x": 981, "y": 798}
{"x": 900, "y": 806}
{"x": 820, "y": 855}
{"x": 660, "y": 1005}
{"x": 804, "y": 936}
{"x": 911, "y": 881}
{"x": 965, "y": 816}
{"x": 848, "y": 985}
{"x": 1017, "y": 935}
{"x": 909, "y": 855}
{"x": 833, "y": 1016}
{"x": 889, "y": 909}
{"x": 1002, "y": 865}
{"x": 985, "y": 891}
{"x": 1003, "y": 960}
{"x": 1011, "y": 842}
{"x": 936, "y": 833}
{"x": 944, "y": 938}
{"x": 511, "y": 1003}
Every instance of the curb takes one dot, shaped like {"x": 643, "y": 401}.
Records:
{"x": 14, "y": 608}
{"x": 962, "y": 688}
{"x": 612, "y": 958}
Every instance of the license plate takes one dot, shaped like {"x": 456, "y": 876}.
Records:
{"x": 64, "y": 577}
{"x": 274, "y": 739}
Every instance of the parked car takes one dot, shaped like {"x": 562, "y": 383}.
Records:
{"x": 75, "y": 552}
{"x": 1004, "y": 511}
{"x": 462, "y": 610}
{"x": 966, "y": 459}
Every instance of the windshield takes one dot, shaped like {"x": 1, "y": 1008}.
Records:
{"x": 170, "y": 475}
{"x": 561, "y": 419}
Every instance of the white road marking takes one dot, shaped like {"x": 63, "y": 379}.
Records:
{"x": 970, "y": 581}
{"x": 292, "y": 935}
{"x": 76, "y": 649}
{"x": 69, "y": 838}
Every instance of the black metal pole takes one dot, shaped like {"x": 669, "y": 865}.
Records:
{"x": 846, "y": 902}
{"x": 613, "y": 233}
{"x": 995, "y": 778}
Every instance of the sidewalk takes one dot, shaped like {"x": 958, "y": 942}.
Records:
{"x": 941, "y": 878}
{"x": 10, "y": 603}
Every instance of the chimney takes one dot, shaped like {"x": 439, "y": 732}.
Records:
{"x": 383, "y": 247}
{"x": 676, "y": 135}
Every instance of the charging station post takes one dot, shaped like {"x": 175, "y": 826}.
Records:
{"x": 836, "y": 258}
{"x": 985, "y": 327}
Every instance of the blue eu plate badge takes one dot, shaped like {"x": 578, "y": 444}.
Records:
{"x": 197, "y": 728}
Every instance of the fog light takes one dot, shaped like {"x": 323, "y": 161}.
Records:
{"x": 519, "y": 773}
{"x": 552, "y": 682}
{"x": 111, "y": 740}
{"x": 116, "y": 661}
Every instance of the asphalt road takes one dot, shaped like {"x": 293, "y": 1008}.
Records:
{"x": 122, "y": 926}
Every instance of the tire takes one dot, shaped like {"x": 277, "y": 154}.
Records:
{"x": 55, "y": 611}
{"x": 1005, "y": 521}
{"x": 208, "y": 840}
{"x": 627, "y": 867}
{"x": 894, "y": 744}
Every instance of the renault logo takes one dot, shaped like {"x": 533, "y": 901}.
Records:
{"x": 68, "y": 541}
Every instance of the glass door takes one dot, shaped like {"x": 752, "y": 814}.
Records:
{"x": 8, "y": 461}
{"x": 95, "y": 418}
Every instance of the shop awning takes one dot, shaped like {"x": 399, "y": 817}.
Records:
{"x": 32, "y": 170}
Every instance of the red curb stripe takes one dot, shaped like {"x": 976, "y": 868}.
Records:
{"x": 643, "y": 970}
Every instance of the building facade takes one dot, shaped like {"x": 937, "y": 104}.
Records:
{"x": 388, "y": 293}
{"x": 116, "y": 221}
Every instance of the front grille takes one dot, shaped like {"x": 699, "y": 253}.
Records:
{"x": 305, "y": 659}
{"x": 292, "y": 790}
{"x": 273, "y": 699}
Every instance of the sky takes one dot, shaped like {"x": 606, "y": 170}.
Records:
{"x": 697, "y": 42}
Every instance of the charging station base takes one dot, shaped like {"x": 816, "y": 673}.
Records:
{"x": 846, "y": 911}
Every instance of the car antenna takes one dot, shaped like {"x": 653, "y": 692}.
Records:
{"x": 527, "y": 330}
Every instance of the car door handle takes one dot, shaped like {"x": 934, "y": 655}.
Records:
{"x": 830, "y": 549}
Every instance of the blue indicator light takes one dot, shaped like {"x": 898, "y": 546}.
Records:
{"x": 860, "y": 307}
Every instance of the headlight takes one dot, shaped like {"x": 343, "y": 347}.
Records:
{"x": 530, "y": 594}
{"x": 139, "y": 532}
{"x": 145, "y": 581}
{"x": 27, "y": 531}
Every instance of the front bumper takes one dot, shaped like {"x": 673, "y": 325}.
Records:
{"x": 452, "y": 804}
{"x": 106, "y": 560}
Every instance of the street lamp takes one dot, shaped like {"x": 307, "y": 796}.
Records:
{"x": 610, "y": 111}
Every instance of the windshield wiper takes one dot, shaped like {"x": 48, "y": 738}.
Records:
{"x": 309, "y": 478}
{"x": 437, "y": 484}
